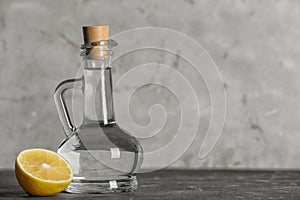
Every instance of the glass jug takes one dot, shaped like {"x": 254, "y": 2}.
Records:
{"x": 104, "y": 158}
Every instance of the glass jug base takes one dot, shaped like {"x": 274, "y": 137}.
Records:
{"x": 102, "y": 186}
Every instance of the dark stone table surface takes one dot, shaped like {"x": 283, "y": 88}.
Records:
{"x": 184, "y": 184}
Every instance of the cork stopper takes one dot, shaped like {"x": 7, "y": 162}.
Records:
{"x": 95, "y": 33}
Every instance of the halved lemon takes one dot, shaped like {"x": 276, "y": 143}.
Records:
{"x": 42, "y": 172}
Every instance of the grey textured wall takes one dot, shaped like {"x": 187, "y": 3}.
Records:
{"x": 254, "y": 43}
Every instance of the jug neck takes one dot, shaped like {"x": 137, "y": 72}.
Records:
{"x": 97, "y": 87}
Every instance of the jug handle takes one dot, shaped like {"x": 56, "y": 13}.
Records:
{"x": 61, "y": 106}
